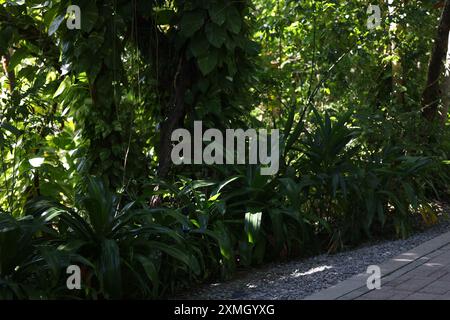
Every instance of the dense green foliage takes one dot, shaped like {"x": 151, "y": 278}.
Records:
{"x": 86, "y": 117}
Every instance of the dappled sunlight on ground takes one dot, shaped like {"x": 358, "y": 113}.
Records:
{"x": 297, "y": 274}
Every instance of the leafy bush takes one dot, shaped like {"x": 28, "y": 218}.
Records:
{"x": 353, "y": 195}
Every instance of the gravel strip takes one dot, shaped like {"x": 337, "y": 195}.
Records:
{"x": 298, "y": 279}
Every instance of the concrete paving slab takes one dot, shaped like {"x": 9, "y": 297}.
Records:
{"x": 422, "y": 273}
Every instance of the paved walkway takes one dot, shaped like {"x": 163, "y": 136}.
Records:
{"x": 422, "y": 273}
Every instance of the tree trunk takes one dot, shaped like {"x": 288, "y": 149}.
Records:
{"x": 9, "y": 73}
{"x": 432, "y": 92}
{"x": 446, "y": 86}
{"x": 397, "y": 67}
{"x": 174, "y": 115}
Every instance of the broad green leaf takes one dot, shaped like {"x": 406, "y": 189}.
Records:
{"x": 190, "y": 23}
{"x": 19, "y": 55}
{"x": 55, "y": 24}
{"x": 110, "y": 272}
{"x": 216, "y": 35}
{"x": 64, "y": 84}
{"x": 151, "y": 272}
{"x": 9, "y": 127}
{"x": 252, "y": 225}
{"x": 234, "y": 20}
{"x": 36, "y": 162}
{"x": 199, "y": 45}
{"x": 208, "y": 64}
{"x": 221, "y": 233}
{"x": 217, "y": 12}
{"x": 175, "y": 253}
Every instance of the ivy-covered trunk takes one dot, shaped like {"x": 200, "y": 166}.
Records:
{"x": 102, "y": 128}
{"x": 96, "y": 52}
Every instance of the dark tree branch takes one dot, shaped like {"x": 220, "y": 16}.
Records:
{"x": 9, "y": 73}
{"x": 432, "y": 93}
